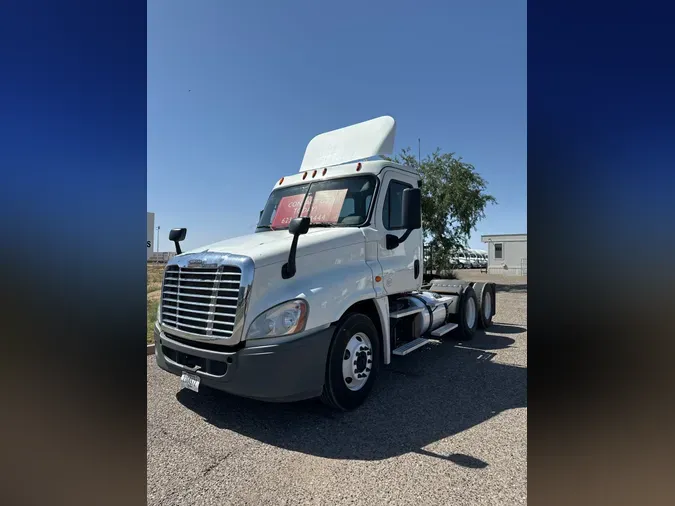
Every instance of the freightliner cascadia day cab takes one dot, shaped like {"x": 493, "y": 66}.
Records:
{"x": 324, "y": 293}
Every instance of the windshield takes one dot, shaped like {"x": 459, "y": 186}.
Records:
{"x": 341, "y": 202}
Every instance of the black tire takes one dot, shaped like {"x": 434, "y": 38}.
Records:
{"x": 486, "y": 292}
{"x": 466, "y": 329}
{"x": 335, "y": 392}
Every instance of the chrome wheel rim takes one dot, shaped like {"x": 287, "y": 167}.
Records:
{"x": 470, "y": 312}
{"x": 357, "y": 361}
{"x": 487, "y": 306}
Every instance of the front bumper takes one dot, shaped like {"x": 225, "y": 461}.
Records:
{"x": 291, "y": 369}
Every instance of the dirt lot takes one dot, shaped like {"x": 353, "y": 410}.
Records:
{"x": 444, "y": 425}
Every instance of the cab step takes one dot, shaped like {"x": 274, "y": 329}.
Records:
{"x": 410, "y": 346}
{"x": 441, "y": 331}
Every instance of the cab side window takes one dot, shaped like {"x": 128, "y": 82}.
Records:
{"x": 392, "y": 211}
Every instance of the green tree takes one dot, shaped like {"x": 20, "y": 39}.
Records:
{"x": 454, "y": 199}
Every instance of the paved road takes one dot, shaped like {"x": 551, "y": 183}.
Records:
{"x": 444, "y": 425}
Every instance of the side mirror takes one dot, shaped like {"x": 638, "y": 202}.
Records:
{"x": 297, "y": 227}
{"x": 177, "y": 235}
{"x": 412, "y": 208}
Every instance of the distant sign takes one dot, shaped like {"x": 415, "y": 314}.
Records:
{"x": 151, "y": 228}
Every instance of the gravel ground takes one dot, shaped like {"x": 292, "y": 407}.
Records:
{"x": 446, "y": 424}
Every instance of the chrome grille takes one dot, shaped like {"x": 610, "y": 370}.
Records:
{"x": 201, "y": 301}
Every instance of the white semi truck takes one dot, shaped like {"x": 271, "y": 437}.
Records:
{"x": 327, "y": 290}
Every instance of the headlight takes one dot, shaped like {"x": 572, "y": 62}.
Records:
{"x": 282, "y": 320}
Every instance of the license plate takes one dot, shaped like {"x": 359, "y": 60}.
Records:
{"x": 189, "y": 381}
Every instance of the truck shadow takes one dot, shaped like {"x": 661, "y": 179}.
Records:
{"x": 514, "y": 288}
{"x": 432, "y": 394}
{"x": 505, "y": 328}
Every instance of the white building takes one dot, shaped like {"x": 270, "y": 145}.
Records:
{"x": 151, "y": 233}
{"x": 161, "y": 256}
{"x": 507, "y": 254}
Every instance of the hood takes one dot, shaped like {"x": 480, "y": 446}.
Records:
{"x": 273, "y": 246}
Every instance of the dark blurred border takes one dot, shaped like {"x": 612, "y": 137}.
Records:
{"x": 601, "y": 125}
{"x": 73, "y": 197}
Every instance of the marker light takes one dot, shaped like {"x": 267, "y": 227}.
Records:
{"x": 358, "y": 166}
{"x": 281, "y": 180}
{"x": 304, "y": 176}
{"x": 314, "y": 173}
{"x": 324, "y": 172}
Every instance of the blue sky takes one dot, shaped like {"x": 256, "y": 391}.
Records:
{"x": 237, "y": 89}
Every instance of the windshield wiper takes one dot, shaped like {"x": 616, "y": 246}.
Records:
{"x": 324, "y": 225}
{"x": 264, "y": 226}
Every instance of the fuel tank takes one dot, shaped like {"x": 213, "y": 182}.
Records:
{"x": 435, "y": 309}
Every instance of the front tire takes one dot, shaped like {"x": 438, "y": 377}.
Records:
{"x": 353, "y": 363}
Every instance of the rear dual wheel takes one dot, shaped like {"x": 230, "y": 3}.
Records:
{"x": 486, "y": 294}
{"x": 467, "y": 314}
{"x": 486, "y": 309}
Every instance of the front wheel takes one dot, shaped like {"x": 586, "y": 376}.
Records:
{"x": 353, "y": 363}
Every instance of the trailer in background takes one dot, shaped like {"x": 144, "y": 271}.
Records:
{"x": 161, "y": 257}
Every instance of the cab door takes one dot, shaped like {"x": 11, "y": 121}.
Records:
{"x": 401, "y": 266}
